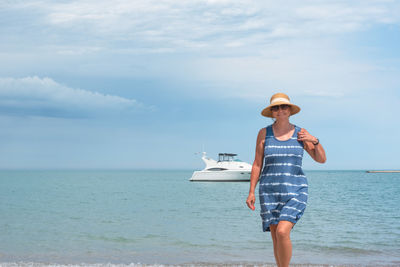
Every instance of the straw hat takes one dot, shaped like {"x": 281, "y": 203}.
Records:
{"x": 279, "y": 99}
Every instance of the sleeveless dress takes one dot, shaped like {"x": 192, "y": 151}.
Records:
{"x": 283, "y": 188}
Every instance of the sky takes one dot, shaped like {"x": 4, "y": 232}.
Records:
{"x": 128, "y": 84}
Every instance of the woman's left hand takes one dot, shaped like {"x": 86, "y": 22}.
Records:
{"x": 317, "y": 152}
{"x": 303, "y": 135}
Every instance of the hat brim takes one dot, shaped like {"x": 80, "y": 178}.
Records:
{"x": 294, "y": 109}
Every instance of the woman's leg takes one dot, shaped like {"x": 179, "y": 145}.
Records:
{"x": 275, "y": 242}
{"x": 284, "y": 243}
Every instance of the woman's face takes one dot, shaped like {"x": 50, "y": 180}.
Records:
{"x": 281, "y": 112}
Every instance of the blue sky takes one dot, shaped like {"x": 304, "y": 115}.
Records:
{"x": 146, "y": 84}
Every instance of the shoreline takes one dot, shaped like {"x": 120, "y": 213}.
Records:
{"x": 194, "y": 264}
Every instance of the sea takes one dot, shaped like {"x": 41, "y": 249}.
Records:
{"x": 160, "y": 218}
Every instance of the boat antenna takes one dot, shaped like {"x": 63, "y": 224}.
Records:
{"x": 201, "y": 152}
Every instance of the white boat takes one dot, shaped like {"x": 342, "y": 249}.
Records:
{"x": 226, "y": 169}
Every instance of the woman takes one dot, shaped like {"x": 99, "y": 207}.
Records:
{"x": 283, "y": 187}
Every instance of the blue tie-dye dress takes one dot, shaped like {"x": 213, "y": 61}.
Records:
{"x": 283, "y": 187}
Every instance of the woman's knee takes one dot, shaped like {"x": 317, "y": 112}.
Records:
{"x": 283, "y": 230}
{"x": 282, "y": 234}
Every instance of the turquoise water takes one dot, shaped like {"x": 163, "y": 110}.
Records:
{"x": 159, "y": 217}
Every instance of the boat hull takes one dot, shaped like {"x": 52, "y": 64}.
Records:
{"x": 221, "y": 176}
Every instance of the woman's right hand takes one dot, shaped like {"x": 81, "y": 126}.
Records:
{"x": 251, "y": 199}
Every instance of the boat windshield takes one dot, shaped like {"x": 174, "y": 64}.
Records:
{"x": 226, "y": 157}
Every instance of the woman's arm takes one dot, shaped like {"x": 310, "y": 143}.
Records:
{"x": 256, "y": 169}
{"x": 317, "y": 152}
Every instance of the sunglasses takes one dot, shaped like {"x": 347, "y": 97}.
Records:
{"x": 276, "y": 108}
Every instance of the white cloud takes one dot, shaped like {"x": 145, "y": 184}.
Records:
{"x": 46, "y": 97}
{"x": 77, "y": 50}
{"x": 304, "y": 69}
{"x": 236, "y": 48}
{"x": 191, "y": 24}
